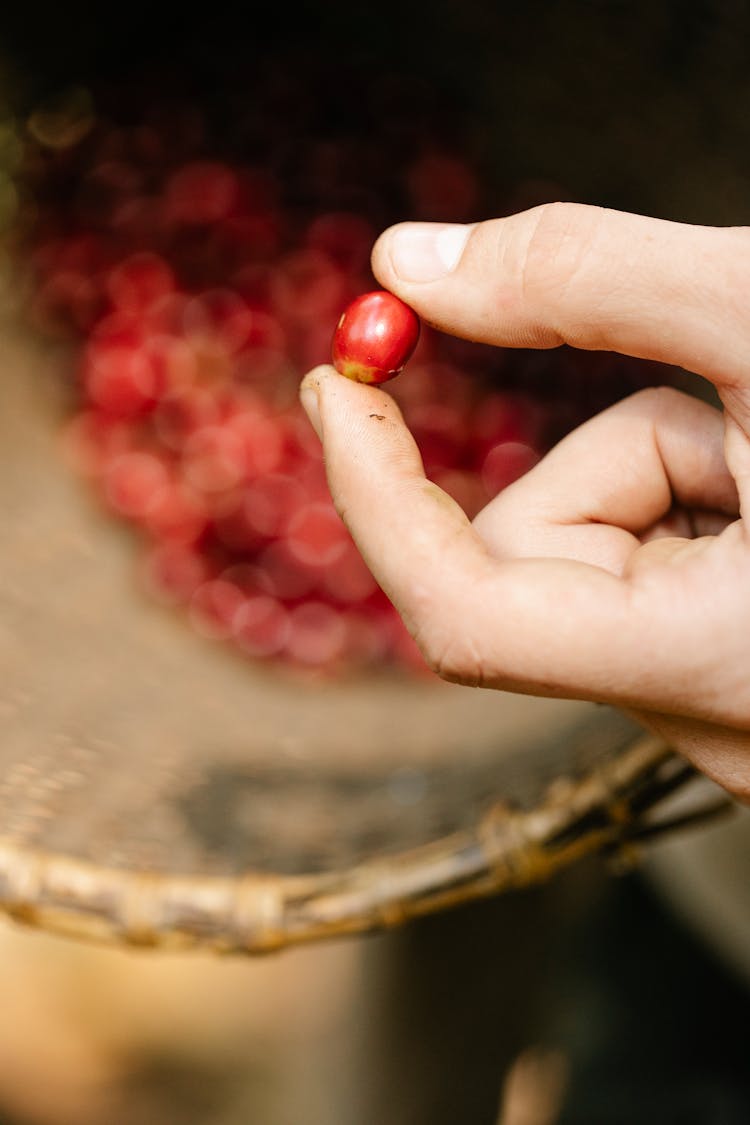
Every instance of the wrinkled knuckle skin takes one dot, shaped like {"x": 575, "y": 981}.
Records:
{"x": 559, "y": 243}
{"x": 557, "y": 231}
{"x": 452, "y": 658}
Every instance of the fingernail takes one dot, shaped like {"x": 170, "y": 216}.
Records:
{"x": 308, "y": 396}
{"x": 427, "y": 251}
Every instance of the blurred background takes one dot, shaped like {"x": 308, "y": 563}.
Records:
{"x": 162, "y": 172}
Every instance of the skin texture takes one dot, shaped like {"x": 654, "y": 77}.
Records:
{"x": 617, "y": 569}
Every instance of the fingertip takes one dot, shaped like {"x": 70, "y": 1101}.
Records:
{"x": 309, "y": 394}
{"x": 380, "y": 259}
{"x": 383, "y": 257}
{"x": 411, "y": 254}
{"x": 325, "y": 395}
{"x": 314, "y": 378}
{"x": 324, "y": 379}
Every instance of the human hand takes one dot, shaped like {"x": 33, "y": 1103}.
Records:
{"x": 571, "y": 582}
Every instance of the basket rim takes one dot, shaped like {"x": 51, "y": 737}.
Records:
{"x": 259, "y": 912}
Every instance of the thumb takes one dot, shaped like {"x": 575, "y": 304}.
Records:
{"x": 585, "y": 276}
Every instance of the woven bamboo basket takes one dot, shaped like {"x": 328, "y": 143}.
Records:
{"x": 158, "y": 791}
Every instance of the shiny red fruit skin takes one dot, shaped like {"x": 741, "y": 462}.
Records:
{"x": 374, "y": 338}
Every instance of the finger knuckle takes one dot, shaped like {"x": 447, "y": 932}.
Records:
{"x": 560, "y": 238}
{"x": 451, "y": 655}
{"x": 556, "y": 234}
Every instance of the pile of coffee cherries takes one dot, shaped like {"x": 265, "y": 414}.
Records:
{"x": 196, "y": 292}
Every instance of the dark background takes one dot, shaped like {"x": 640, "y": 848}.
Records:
{"x": 630, "y": 104}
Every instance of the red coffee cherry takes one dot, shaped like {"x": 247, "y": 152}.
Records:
{"x": 374, "y": 338}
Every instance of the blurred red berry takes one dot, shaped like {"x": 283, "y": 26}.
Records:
{"x": 506, "y": 463}
{"x": 201, "y": 193}
{"x": 120, "y": 378}
{"x": 261, "y": 626}
{"x": 316, "y": 536}
{"x": 136, "y": 284}
{"x": 213, "y": 608}
{"x": 135, "y": 484}
{"x": 317, "y": 634}
{"x": 172, "y": 572}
